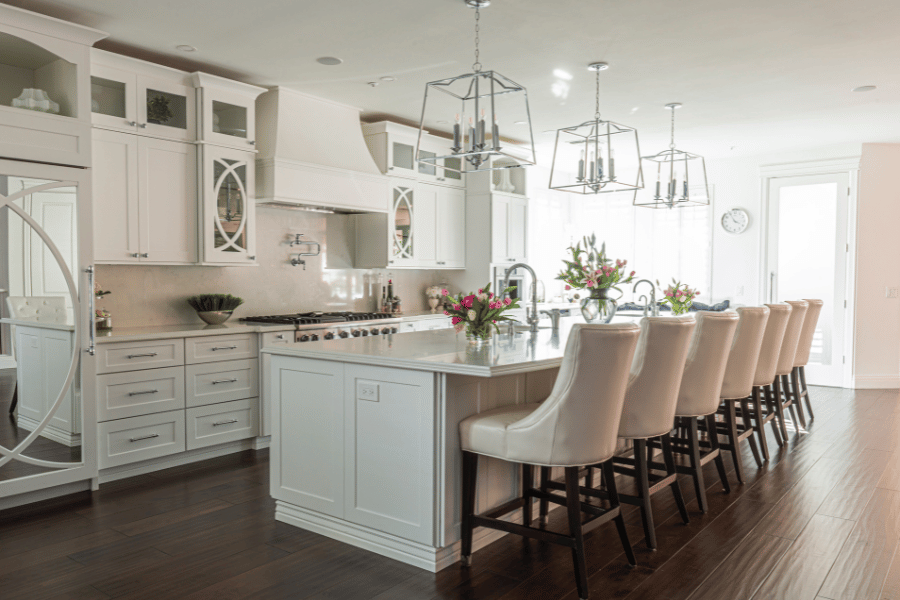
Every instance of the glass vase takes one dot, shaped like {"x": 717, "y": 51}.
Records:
{"x": 599, "y": 307}
{"x": 479, "y": 337}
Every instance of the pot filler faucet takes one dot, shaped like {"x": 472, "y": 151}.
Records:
{"x": 654, "y": 307}
{"x": 532, "y": 318}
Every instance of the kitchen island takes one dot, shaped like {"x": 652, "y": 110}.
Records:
{"x": 365, "y": 444}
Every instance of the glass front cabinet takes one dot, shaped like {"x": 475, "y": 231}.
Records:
{"x": 228, "y": 224}
{"x": 227, "y": 111}
{"x": 402, "y": 224}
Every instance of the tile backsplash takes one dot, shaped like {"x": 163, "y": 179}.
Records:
{"x": 144, "y": 296}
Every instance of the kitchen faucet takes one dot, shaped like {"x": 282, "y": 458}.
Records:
{"x": 534, "y": 318}
{"x": 554, "y": 315}
{"x": 654, "y": 308}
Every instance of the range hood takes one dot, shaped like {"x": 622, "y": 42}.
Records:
{"x": 312, "y": 155}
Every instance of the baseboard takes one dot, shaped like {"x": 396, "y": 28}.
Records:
{"x": 175, "y": 460}
{"x": 262, "y": 442}
{"x": 72, "y": 440}
{"x": 877, "y": 382}
{"x": 45, "y": 494}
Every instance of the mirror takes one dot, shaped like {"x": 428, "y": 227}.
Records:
{"x": 37, "y": 332}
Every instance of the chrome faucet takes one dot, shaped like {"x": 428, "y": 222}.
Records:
{"x": 654, "y": 308}
{"x": 554, "y": 315}
{"x": 532, "y": 318}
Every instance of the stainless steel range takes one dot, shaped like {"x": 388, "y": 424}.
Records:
{"x": 314, "y": 326}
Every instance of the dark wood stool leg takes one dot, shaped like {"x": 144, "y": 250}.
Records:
{"x": 732, "y": 433}
{"x": 748, "y": 426}
{"x": 545, "y": 505}
{"x": 798, "y": 418}
{"x": 589, "y": 477}
{"x": 758, "y": 423}
{"x": 770, "y": 408}
{"x": 573, "y": 507}
{"x": 693, "y": 440}
{"x": 669, "y": 460}
{"x": 15, "y": 399}
{"x": 527, "y": 485}
{"x": 714, "y": 445}
{"x": 779, "y": 408}
{"x": 789, "y": 382}
{"x": 801, "y": 374}
{"x": 609, "y": 477}
{"x": 469, "y": 479}
{"x": 642, "y": 474}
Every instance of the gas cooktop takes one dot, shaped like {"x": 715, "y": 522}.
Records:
{"x": 316, "y": 318}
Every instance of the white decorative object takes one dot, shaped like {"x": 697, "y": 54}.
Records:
{"x": 95, "y": 105}
{"x": 216, "y": 128}
{"x": 34, "y": 99}
{"x": 506, "y": 184}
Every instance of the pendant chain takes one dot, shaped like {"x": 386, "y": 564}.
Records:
{"x": 477, "y": 65}
{"x": 672, "y": 142}
{"x": 597, "y": 99}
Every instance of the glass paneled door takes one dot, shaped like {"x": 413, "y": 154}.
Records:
{"x": 47, "y": 424}
{"x": 807, "y": 256}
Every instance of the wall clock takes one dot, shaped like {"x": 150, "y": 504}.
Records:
{"x": 735, "y": 220}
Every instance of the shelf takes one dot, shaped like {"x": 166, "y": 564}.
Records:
{"x": 24, "y": 65}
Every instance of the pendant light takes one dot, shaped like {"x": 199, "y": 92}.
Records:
{"x": 596, "y": 156}
{"x": 480, "y": 105}
{"x": 680, "y": 176}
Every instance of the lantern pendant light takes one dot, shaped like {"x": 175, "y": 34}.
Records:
{"x": 479, "y": 104}
{"x": 596, "y": 156}
{"x": 680, "y": 176}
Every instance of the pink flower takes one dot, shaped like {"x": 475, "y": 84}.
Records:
{"x": 457, "y": 307}
{"x": 445, "y": 292}
{"x": 456, "y": 320}
{"x": 590, "y": 283}
{"x": 568, "y": 287}
{"x": 480, "y": 291}
{"x": 459, "y": 327}
{"x": 508, "y": 301}
{"x": 668, "y": 294}
{"x": 446, "y": 313}
{"x": 632, "y": 273}
{"x": 491, "y": 295}
{"x": 696, "y": 293}
{"x": 468, "y": 301}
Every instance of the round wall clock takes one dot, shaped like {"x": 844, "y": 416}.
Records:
{"x": 735, "y": 220}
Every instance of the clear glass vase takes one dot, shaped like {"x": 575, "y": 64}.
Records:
{"x": 479, "y": 337}
{"x": 599, "y": 307}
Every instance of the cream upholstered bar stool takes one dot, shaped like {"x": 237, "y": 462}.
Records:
{"x": 649, "y": 412}
{"x": 699, "y": 396}
{"x": 738, "y": 382}
{"x": 804, "y": 348}
{"x": 782, "y": 383}
{"x": 575, "y": 426}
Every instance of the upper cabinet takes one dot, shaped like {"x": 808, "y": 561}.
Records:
{"x": 134, "y": 96}
{"x": 228, "y": 223}
{"x": 393, "y": 147}
{"x": 508, "y": 227}
{"x": 227, "y": 111}
{"x": 44, "y": 88}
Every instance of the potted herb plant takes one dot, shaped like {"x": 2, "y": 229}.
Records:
{"x": 214, "y": 309}
{"x": 158, "y": 110}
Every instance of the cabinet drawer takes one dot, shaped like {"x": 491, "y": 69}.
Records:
{"x": 220, "y": 347}
{"x": 220, "y": 423}
{"x": 277, "y": 337}
{"x": 131, "y": 356}
{"x": 216, "y": 382}
{"x": 140, "y": 438}
{"x": 121, "y": 395}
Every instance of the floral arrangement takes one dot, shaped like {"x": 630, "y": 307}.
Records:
{"x": 102, "y": 313}
{"x": 479, "y": 313}
{"x": 679, "y": 296}
{"x": 435, "y": 291}
{"x": 591, "y": 269}
{"x": 99, "y": 292}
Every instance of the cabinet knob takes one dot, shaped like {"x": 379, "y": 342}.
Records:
{"x": 131, "y": 123}
{"x": 145, "y": 255}
{"x": 252, "y": 142}
{"x": 142, "y": 125}
{"x": 251, "y": 257}
{"x": 135, "y": 255}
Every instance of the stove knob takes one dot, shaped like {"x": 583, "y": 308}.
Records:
{"x": 303, "y": 338}
{"x": 386, "y": 330}
{"x": 355, "y": 332}
{"x": 329, "y": 336}
{"x": 375, "y": 331}
{"x": 314, "y": 337}
{"x": 394, "y": 330}
{"x": 344, "y": 334}
{"x": 364, "y": 332}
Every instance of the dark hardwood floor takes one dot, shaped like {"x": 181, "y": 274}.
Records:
{"x": 821, "y": 521}
{"x": 11, "y": 435}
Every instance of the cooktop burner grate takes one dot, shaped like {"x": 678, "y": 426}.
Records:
{"x": 315, "y": 318}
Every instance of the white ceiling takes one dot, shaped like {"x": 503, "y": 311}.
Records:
{"x": 755, "y": 76}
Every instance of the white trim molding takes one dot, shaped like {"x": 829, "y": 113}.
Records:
{"x": 877, "y": 382}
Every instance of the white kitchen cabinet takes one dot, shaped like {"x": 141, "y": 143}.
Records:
{"x": 228, "y": 225}
{"x": 393, "y": 146}
{"x": 227, "y": 111}
{"x": 508, "y": 225}
{"x": 440, "y": 228}
{"x": 145, "y": 199}
{"x": 401, "y": 234}
{"x": 134, "y": 96}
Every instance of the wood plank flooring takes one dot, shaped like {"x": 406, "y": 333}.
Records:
{"x": 821, "y": 520}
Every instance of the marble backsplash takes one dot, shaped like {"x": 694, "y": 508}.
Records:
{"x": 144, "y": 296}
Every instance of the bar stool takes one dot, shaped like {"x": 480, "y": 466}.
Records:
{"x": 765, "y": 381}
{"x": 782, "y": 382}
{"x": 699, "y": 396}
{"x": 574, "y": 427}
{"x": 649, "y": 412}
{"x": 738, "y": 384}
{"x": 798, "y": 373}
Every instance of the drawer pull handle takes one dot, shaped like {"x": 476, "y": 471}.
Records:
{"x": 228, "y": 422}
{"x": 142, "y": 393}
{"x": 214, "y": 348}
{"x": 145, "y": 437}
{"x": 142, "y": 355}
{"x": 224, "y": 381}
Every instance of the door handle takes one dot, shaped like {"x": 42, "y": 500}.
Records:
{"x": 223, "y": 381}
{"x": 92, "y": 324}
{"x": 223, "y": 348}
{"x": 142, "y": 393}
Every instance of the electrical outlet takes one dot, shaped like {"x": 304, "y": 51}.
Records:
{"x": 892, "y": 292}
{"x": 739, "y": 291}
{"x": 366, "y": 390}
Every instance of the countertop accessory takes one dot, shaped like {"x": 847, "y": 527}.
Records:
{"x": 478, "y": 313}
{"x": 680, "y": 297}
{"x": 38, "y": 100}
{"x": 684, "y": 174}
{"x": 434, "y": 293}
{"x": 591, "y": 270}
{"x": 599, "y": 307}
{"x": 597, "y": 156}
{"x": 482, "y": 101}
{"x": 214, "y": 309}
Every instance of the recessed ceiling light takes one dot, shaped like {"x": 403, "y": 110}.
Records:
{"x": 388, "y": 78}
{"x": 329, "y": 60}
{"x": 549, "y": 131}
{"x": 185, "y": 48}
{"x": 865, "y": 88}
{"x": 560, "y": 74}
{"x": 372, "y": 83}
{"x": 520, "y": 122}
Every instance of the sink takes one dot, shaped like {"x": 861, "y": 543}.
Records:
{"x": 527, "y": 328}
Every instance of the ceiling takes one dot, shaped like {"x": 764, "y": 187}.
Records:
{"x": 755, "y": 77}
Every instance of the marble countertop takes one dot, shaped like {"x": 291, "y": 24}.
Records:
{"x": 39, "y": 324}
{"x": 135, "y": 334}
{"x": 444, "y": 351}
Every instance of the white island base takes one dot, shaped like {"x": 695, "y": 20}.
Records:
{"x": 365, "y": 444}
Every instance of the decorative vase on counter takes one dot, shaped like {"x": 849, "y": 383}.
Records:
{"x": 214, "y": 317}
{"x": 599, "y": 307}
{"x": 480, "y": 338}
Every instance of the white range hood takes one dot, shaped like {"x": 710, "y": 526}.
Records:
{"x": 312, "y": 154}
